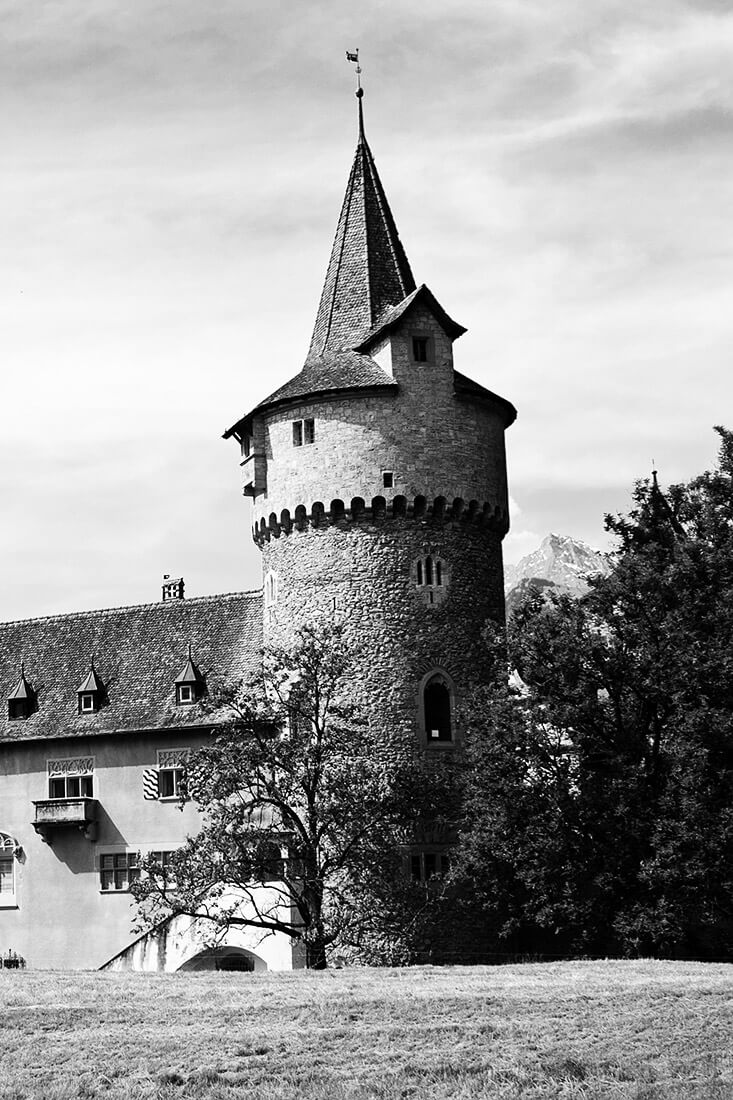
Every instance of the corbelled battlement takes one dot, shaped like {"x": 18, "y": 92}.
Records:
{"x": 437, "y": 512}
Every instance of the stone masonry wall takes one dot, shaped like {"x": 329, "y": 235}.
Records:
{"x": 435, "y": 443}
{"x": 363, "y": 574}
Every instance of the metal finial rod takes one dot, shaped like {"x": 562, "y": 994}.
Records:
{"x": 353, "y": 56}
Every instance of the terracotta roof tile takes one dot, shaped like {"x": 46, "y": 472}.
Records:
{"x": 138, "y": 653}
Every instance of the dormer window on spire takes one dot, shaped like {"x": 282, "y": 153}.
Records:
{"x": 189, "y": 683}
{"x": 90, "y": 692}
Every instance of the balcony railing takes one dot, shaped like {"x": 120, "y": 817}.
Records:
{"x": 66, "y": 813}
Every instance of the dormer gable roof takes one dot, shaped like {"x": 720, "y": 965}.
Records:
{"x": 189, "y": 674}
{"x": 90, "y": 683}
{"x": 21, "y": 691}
{"x": 421, "y": 296}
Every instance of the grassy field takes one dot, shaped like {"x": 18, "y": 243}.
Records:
{"x": 618, "y": 1029}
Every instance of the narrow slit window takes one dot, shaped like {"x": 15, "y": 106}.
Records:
{"x": 297, "y": 433}
{"x": 428, "y": 570}
{"x": 309, "y": 431}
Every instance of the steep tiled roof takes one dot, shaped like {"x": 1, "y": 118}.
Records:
{"x": 389, "y": 319}
{"x": 466, "y": 387}
{"x": 138, "y": 652}
{"x": 368, "y": 272}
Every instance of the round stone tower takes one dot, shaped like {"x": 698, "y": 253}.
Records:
{"x": 378, "y": 481}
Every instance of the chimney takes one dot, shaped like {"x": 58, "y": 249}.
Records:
{"x": 172, "y": 588}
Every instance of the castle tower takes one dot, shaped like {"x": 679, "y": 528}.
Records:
{"x": 378, "y": 482}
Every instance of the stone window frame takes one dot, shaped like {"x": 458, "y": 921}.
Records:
{"x": 421, "y": 346}
{"x": 9, "y": 853}
{"x": 270, "y": 589}
{"x": 65, "y": 771}
{"x": 437, "y": 743}
{"x": 304, "y": 431}
{"x": 431, "y": 576}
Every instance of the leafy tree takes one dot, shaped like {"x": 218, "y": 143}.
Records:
{"x": 305, "y": 822}
{"x": 599, "y": 808}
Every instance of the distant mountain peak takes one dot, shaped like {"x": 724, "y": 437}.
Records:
{"x": 561, "y": 561}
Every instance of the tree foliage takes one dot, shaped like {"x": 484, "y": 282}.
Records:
{"x": 305, "y": 820}
{"x": 599, "y": 808}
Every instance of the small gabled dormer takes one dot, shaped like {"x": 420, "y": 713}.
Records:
{"x": 21, "y": 700}
{"x": 90, "y": 692}
{"x": 189, "y": 684}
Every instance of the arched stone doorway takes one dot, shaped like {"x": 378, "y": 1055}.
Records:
{"x": 223, "y": 958}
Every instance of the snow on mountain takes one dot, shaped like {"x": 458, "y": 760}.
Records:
{"x": 561, "y": 561}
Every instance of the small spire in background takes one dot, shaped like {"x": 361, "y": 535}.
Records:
{"x": 353, "y": 56}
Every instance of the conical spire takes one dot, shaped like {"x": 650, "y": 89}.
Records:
{"x": 368, "y": 272}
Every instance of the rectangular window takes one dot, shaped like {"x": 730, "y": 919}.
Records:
{"x": 388, "y": 479}
{"x": 420, "y": 349}
{"x": 185, "y": 693}
{"x": 7, "y": 880}
{"x": 71, "y": 786}
{"x": 163, "y": 858}
{"x": 304, "y": 432}
{"x": 117, "y": 870}
{"x": 426, "y": 865}
{"x": 87, "y": 703}
{"x": 169, "y": 782}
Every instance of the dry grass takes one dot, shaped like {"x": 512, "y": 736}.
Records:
{"x": 646, "y": 1030}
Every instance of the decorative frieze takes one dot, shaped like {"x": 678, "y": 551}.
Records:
{"x": 71, "y": 765}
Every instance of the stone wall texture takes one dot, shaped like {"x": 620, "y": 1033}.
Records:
{"x": 435, "y": 443}
{"x": 362, "y": 573}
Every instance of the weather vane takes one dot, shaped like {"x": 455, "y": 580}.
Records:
{"x": 354, "y": 56}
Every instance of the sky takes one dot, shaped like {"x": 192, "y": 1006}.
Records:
{"x": 172, "y": 173}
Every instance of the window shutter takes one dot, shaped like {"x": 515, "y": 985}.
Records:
{"x": 150, "y": 784}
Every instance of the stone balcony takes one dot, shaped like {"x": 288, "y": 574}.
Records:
{"x": 66, "y": 813}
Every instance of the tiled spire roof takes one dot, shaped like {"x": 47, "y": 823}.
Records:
{"x": 368, "y": 272}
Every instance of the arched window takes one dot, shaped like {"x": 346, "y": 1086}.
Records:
{"x": 437, "y": 708}
{"x": 431, "y": 578}
{"x": 270, "y": 589}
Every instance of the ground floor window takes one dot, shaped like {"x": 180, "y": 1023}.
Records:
{"x": 427, "y": 865}
{"x": 7, "y": 880}
{"x": 117, "y": 870}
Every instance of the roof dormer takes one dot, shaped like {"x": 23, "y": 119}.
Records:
{"x": 90, "y": 692}
{"x": 189, "y": 683}
{"x": 21, "y": 699}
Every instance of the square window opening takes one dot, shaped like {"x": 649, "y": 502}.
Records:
{"x": 186, "y": 693}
